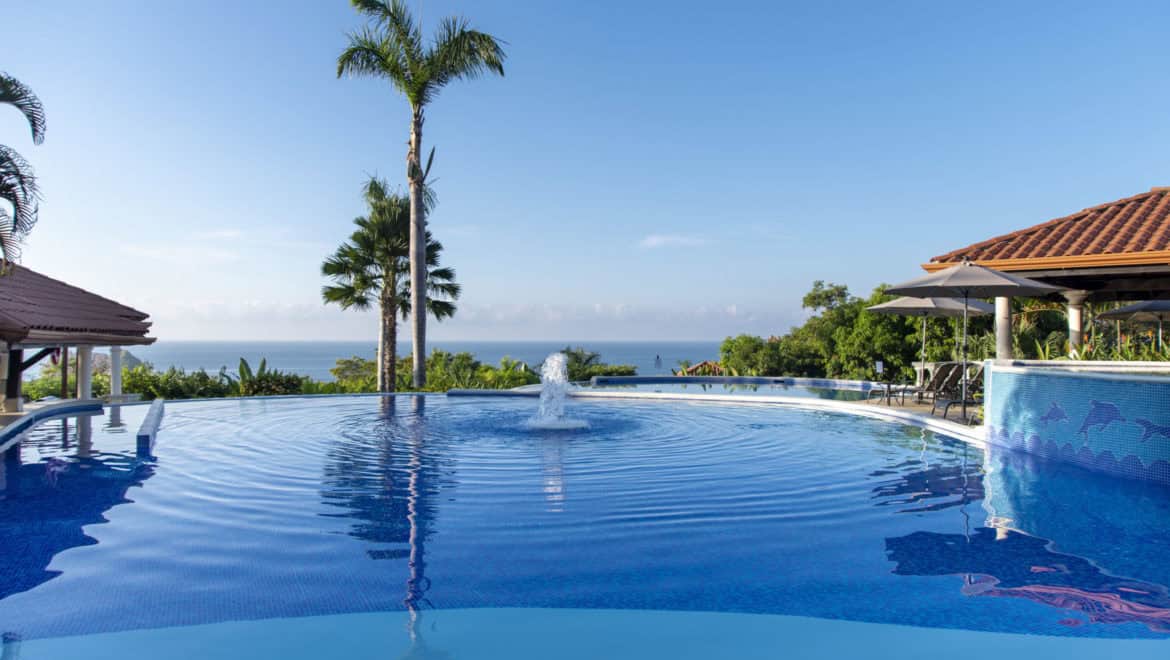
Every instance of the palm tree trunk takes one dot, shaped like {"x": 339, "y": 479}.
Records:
{"x": 418, "y": 269}
{"x": 388, "y": 346}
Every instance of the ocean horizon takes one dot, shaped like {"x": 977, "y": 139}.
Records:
{"x": 315, "y": 358}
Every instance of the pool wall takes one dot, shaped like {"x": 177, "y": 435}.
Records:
{"x": 1116, "y": 422}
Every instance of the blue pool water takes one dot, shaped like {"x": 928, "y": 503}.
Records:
{"x": 253, "y": 512}
{"x": 799, "y": 391}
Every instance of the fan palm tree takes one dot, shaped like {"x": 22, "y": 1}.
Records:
{"x": 18, "y": 186}
{"x": 391, "y": 47}
{"x": 374, "y": 265}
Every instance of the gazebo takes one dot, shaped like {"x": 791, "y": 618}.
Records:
{"x": 1110, "y": 252}
{"x": 41, "y": 314}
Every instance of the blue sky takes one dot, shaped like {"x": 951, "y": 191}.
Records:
{"x": 676, "y": 170}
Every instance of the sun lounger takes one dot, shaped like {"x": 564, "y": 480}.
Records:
{"x": 974, "y": 394}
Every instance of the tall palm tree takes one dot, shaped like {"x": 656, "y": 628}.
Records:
{"x": 18, "y": 186}
{"x": 391, "y": 46}
{"x": 375, "y": 265}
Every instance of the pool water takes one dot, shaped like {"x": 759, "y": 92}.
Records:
{"x": 798, "y": 391}
{"x": 416, "y": 507}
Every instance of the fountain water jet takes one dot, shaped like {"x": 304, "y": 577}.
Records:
{"x": 554, "y": 386}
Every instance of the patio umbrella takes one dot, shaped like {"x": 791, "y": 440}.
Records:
{"x": 1149, "y": 311}
{"x": 966, "y": 280}
{"x": 931, "y": 307}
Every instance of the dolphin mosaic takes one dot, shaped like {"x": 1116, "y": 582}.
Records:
{"x": 1150, "y": 429}
{"x": 1102, "y": 414}
{"x": 1055, "y": 414}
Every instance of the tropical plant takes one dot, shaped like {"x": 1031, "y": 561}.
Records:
{"x": 264, "y": 381}
{"x": 18, "y": 186}
{"x": 356, "y": 374}
{"x": 583, "y": 364}
{"x": 391, "y": 47}
{"x": 374, "y": 265}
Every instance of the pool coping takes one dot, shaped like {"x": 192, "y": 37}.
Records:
{"x": 30, "y": 418}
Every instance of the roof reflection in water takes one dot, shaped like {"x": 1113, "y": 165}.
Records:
{"x": 1041, "y": 518}
{"x": 1005, "y": 563}
{"x": 52, "y": 484}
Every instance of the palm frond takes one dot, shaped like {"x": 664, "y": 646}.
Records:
{"x": 18, "y": 187}
{"x": 9, "y": 246}
{"x": 446, "y": 289}
{"x": 461, "y": 52}
{"x": 444, "y": 274}
{"x": 440, "y": 309}
{"x": 16, "y": 93}
{"x": 370, "y": 55}
{"x": 346, "y": 295}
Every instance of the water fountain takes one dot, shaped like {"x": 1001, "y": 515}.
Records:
{"x": 554, "y": 386}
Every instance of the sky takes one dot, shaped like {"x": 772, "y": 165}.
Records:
{"x": 644, "y": 170}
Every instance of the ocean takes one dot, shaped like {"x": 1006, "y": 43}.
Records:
{"x": 315, "y": 358}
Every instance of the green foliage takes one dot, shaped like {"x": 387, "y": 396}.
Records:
{"x": 176, "y": 383}
{"x": 356, "y": 374}
{"x": 447, "y": 371}
{"x": 583, "y": 364}
{"x": 265, "y": 382}
{"x": 840, "y": 340}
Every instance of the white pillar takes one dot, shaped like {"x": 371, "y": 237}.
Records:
{"x": 1076, "y": 318}
{"x": 84, "y": 372}
{"x": 1003, "y": 328}
{"x": 115, "y": 371}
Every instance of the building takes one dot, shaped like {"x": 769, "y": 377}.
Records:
{"x": 1110, "y": 252}
{"x": 42, "y": 317}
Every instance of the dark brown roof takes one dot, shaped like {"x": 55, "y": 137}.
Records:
{"x": 1130, "y": 231}
{"x": 39, "y": 310}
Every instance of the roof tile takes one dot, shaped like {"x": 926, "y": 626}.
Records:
{"x": 1132, "y": 225}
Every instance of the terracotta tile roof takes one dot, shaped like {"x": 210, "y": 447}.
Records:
{"x": 1130, "y": 231}
{"x": 39, "y": 309}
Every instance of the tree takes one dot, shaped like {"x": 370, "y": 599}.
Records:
{"x": 391, "y": 47}
{"x": 18, "y": 186}
{"x": 375, "y": 265}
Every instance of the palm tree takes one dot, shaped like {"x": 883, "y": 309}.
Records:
{"x": 18, "y": 186}
{"x": 374, "y": 265}
{"x": 391, "y": 46}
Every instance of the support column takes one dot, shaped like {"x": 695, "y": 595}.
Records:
{"x": 13, "y": 399}
{"x": 1003, "y": 328}
{"x": 85, "y": 372}
{"x": 115, "y": 371}
{"x": 1076, "y": 318}
{"x": 64, "y": 372}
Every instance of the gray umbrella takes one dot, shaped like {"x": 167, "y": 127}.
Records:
{"x": 931, "y": 307}
{"x": 1149, "y": 310}
{"x": 966, "y": 280}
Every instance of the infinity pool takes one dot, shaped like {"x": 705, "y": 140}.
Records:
{"x": 798, "y": 391}
{"x": 259, "y": 522}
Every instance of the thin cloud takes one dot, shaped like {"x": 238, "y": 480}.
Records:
{"x": 671, "y": 240}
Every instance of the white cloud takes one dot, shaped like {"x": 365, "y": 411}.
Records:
{"x": 671, "y": 240}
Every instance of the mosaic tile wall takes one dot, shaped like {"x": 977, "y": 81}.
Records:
{"x": 1111, "y": 423}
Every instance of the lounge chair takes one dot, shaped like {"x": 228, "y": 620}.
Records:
{"x": 974, "y": 394}
{"x": 940, "y": 382}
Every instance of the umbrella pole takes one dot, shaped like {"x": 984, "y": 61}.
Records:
{"x": 922, "y": 360}
{"x": 964, "y": 356}
{"x": 1159, "y": 333}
